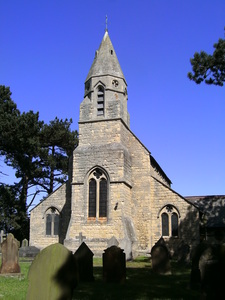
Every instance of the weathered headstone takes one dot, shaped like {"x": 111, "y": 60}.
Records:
{"x": 112, "y": 242}
{"x": 211, "y": 272}
{"x": 114, "y": 265}
{"x": 84, "y": 259}
{"x": 10, "y": 255}
{"x": 29, "y": 251}
{"x": 53, "y": 274}
{"x": 182, "y": 253}
{"x": 161, "y": 258}
{"x": 2, "y": 236}
{"x": 25, "y": 243}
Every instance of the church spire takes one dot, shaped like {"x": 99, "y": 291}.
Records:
{"x": 105, "y": 95}
{"x": 105, "y": 61}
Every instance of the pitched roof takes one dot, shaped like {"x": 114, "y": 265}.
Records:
{"x": 212, "y": 207}
{"x": 105, "y": 61}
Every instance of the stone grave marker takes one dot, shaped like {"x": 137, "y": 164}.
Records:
{"x": 212, "y": 274}
{"x": 84, "y": 259}
{"x": 112, "y": 242}
{"x": 29, "y": 251}
{"x": 161, "y": 258}
{"x": 10, "y": 255}
{"x": 25, "y": 243}
{"x": 114, "y": 265}
{"x": 53, "y": 274}
{"x": 2, "y": 236}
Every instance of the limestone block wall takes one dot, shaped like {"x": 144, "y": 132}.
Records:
{"x": 38, "y": 235}
{"x": 188, "y": 230}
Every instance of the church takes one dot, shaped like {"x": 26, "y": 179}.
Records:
{"x": 116, "y": 191}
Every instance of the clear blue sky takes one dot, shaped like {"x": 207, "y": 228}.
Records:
{"x": 47, "y": 48}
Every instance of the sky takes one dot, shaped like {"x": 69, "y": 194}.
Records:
{"x": 47, "y": 48}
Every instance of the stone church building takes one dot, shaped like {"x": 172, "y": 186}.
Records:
{"x": 116, "y": 190}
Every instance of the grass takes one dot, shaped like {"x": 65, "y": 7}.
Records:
{"x": 141, "y": 283}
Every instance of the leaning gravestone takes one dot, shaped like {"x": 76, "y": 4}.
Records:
{"x": 161, "y": 258}
{"x": 114, "y": 265}
{"x": 84, "y": 259}
{"x": 10, "y": 255}
{"x": 52, "y": 275}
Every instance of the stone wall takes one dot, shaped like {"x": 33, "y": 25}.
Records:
{"x": 161, "y": 196}
{"x": 58, "y": 199}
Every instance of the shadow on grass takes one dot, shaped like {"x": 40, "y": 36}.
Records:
{"x": 141, "y": 283}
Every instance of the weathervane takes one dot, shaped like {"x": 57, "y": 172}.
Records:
{"x": 106, "y": 23}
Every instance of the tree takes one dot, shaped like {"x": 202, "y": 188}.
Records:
{"x": 209, "y": 68}
{"x": 12, "y": 219}
{"x": 57, "y": 144}
{"x": 38, "y": 152}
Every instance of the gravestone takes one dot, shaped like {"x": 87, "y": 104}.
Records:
{"x": 10, "y": 255}
{"x": 114, "y": 265}
{"x": 53, "y": 274}
{"x": 25, "y": 243}
{"x": 112, "y": 242}
{"x": 161, "y": 258}
{"x": 84, "y": 259}
{"x": 29, "y": 251}
{"x": 212, "y": 274}
{"x": 182, "y": 253}
{"x": 2, "y": 236}
{"x": 208, "y": 270}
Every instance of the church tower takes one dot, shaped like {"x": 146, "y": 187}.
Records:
{"x": 105, "y": 95}
{"x": 101, "y": 180}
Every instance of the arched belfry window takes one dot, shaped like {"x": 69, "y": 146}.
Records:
{"x": 169, "y": 221}
{"x": 52, "y": 222}
{"x": 98, "y": 194}
{"x": 100, "y": 101}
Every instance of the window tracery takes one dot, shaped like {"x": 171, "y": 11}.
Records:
{"x": 98, "y": 194}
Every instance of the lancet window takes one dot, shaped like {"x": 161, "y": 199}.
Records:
{"x": 169, "y": 221}
{"x": 52, "y": 222}
{"x": 98, "y": 194}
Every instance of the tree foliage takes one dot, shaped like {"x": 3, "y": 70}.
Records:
{"x": 12, "y": 219}
{"x": 38, "y": 152}
{"x": 209, "y": 68}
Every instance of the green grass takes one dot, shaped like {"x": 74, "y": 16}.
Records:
{"x": 141, "y": 283}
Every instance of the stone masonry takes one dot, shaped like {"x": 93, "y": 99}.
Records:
{"x": 138, "y": 190}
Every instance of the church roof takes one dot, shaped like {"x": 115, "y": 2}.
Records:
{"x": 105, "y": 61}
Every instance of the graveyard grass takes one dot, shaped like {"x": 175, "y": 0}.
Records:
{"x": 141, "y": 283}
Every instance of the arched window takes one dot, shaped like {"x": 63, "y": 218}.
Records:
{"x": 100, "y": 101}
{"x": 98, "y": 194}
{"x": 52, "y": 222}
{"x": 174, "y": 224}
{"x": 169, "y": 221}
{"x": 165, "y": 224}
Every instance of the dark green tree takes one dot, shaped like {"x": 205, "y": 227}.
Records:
{"x": 57, "y": 145}
{"x": 39, "y": 153}
{"x": 209, "y": 68}
{"x": 12, "y": 219}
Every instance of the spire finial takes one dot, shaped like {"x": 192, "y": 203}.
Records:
{"x": 106, "y": 23}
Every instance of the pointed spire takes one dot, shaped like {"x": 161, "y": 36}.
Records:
{"x": 105, "y": 61}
